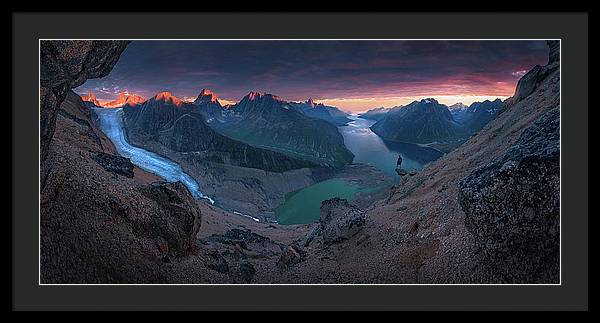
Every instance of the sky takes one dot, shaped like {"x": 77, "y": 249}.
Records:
{"x": 352, "y": 75}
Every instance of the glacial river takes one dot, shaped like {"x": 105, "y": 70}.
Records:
{"x": 111, "y": 123}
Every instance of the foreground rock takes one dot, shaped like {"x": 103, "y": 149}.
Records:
{"x": 339, "y": 221}
{"x": 512, "y": 206}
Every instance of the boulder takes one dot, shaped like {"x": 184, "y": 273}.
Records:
{"x": 340, "y": 220}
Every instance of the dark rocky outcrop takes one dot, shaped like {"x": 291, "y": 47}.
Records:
{"x": 66, "y": 64}
{"x": 114, "y": 163}
{"x": 238, "y": 237}
{"x": 512, "y": 206}
{"x": 478, "y": 114}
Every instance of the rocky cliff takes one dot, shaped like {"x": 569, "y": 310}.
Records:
{"x": 512, "y": 205}
{"x": 65, "y": 65}
{"x": 209, "y": 105}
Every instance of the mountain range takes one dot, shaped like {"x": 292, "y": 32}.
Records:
{"x": 428, "y": 121}
{"x": 302, "y": 130}
{"x": 165, "y": 121}
{"x": 267, "y": 121}
{"x": 123, "y": 99}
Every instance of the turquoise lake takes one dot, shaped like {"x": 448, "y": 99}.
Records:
{"x": 302, "y": 206}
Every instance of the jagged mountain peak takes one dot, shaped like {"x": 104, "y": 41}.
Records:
{"x": 428, "y": 100}
{"x": 208, "y": 95}
{"x": 167, "y": 97}
{"x": 254, "y": 95}
{"x": 458, "y": 105}
{"x": 91, "y": 97}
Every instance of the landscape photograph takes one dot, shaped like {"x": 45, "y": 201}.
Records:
{"x": 323, "y": 161}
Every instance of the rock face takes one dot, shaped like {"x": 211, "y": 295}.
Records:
{"x": 420, "y": 122}
{"x": 179, "y": 126}
{"x": 339, "y": 220}
{"x": 90, "y": 100}
{"x": 180, "y": 219}
{"x": 512, "y": 205}
{"x": 64, "y": 65}
{"x": 124, "y": 99}
{"x": 265, "y": 120}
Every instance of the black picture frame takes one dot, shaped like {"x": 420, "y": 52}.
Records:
{"x": 571, "y": 28}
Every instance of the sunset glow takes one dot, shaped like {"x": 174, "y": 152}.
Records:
{"x": 352, "y": 75}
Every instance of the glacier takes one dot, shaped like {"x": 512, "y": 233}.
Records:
{"x": 111, "y": 123}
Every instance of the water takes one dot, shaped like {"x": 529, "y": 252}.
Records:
{"x": 368, "y": 148}
{"x": 303, "y": 206}
{"x": 111, "y": 123}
